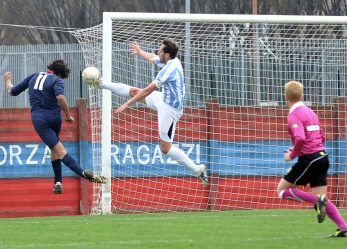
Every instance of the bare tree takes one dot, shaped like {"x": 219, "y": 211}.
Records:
{"x": 48, "y": 13}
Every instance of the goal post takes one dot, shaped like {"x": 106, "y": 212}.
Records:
{"x": 106, "y": 114}
{"x": 234, "y": 119}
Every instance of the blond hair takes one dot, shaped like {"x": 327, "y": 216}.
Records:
{"x": 294, "y": 91}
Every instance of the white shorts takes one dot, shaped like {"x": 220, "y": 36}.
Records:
{"x": 167, "y": 115}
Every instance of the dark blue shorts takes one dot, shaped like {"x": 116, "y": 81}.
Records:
{"x": 48, "y": 127}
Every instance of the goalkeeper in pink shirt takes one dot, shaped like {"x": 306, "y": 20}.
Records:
{"x": 313, "y": 163}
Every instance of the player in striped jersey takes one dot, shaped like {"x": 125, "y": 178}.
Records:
{"x": 313, "y": 163}
{"x": 168, "y": 103}
{"x": 46, "y": 97}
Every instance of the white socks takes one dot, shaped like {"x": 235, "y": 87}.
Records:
{"x": 117, "y": 88}
{"x": 182, "y": 158}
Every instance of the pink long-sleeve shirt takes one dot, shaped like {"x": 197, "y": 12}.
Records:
{"x": 305, "y": 131}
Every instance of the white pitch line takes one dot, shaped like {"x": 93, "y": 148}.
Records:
{"x": 140, "y": 242}
{"x": 133, "y": 218}
{"x": 100, "y": 243}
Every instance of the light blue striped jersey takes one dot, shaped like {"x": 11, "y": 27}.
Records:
{"x": 172, "y": 79}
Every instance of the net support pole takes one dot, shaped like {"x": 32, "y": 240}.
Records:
{"x": 187, "y": 61}
{"x": 106, "y": 113}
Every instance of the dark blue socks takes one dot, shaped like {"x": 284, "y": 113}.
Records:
{"x": 56, "y": 164}
{"x": 72, "y": 164}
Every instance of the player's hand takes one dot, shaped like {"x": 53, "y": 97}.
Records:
{"x": 135, "y": 48}
{"x": 122, "y": 108}
{"x": 69, "y": 120}
{"x": 8, "y": 76}
{"x": 8, "y": 82}
{"x": 287, "y": 157}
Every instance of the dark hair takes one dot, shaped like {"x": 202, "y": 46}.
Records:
{"x": 60, "y": 68}
{"x": 171, "y": 47}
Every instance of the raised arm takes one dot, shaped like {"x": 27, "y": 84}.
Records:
{"x": 142, "y": 94}
{"x": 136, "y": 49}
{"x": 15, "y": 90}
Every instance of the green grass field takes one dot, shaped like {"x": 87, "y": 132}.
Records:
{"x": 232, "y": 229}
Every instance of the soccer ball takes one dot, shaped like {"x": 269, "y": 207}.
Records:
{"x": 91, "y": 75}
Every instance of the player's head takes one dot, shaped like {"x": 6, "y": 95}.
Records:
{"x": 60, "y": 68}
{"x": 168, "y": 50}
{"x": 293, "y": 91}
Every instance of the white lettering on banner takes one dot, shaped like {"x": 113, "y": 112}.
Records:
{"x": 30, "y": 157}
{"x": 128, "y": 154}
{"x": 46, "y": 154}
{"x": 17, "y": 154}
{"x": 145, "y": 154}
{"x": 197, "y": 146}
{"x": 5, "y": 155}
{"x": 114, "y": 154}
{"x": 157, "y": 155}
{"x": 14, "y": 154}
{"x": 143, "y": 157}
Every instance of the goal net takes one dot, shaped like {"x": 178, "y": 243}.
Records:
{"x": 234, "y": 119}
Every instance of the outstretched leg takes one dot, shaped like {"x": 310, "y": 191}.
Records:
{"x": 182, "y": 158}
{"x": 60, "y": 150}
{"x": 120, "y": 89}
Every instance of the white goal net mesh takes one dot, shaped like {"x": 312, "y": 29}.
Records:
{"x": 234, "y": 119}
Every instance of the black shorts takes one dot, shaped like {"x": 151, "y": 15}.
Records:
{"x": 312, "y": 169}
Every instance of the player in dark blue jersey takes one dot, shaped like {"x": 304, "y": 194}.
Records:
{"x": 46, "y": 97}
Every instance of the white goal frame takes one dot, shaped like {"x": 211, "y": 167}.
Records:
{"x": 108, "y": 17}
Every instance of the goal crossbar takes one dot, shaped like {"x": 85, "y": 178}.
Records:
{"x": 228, "y": 18}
